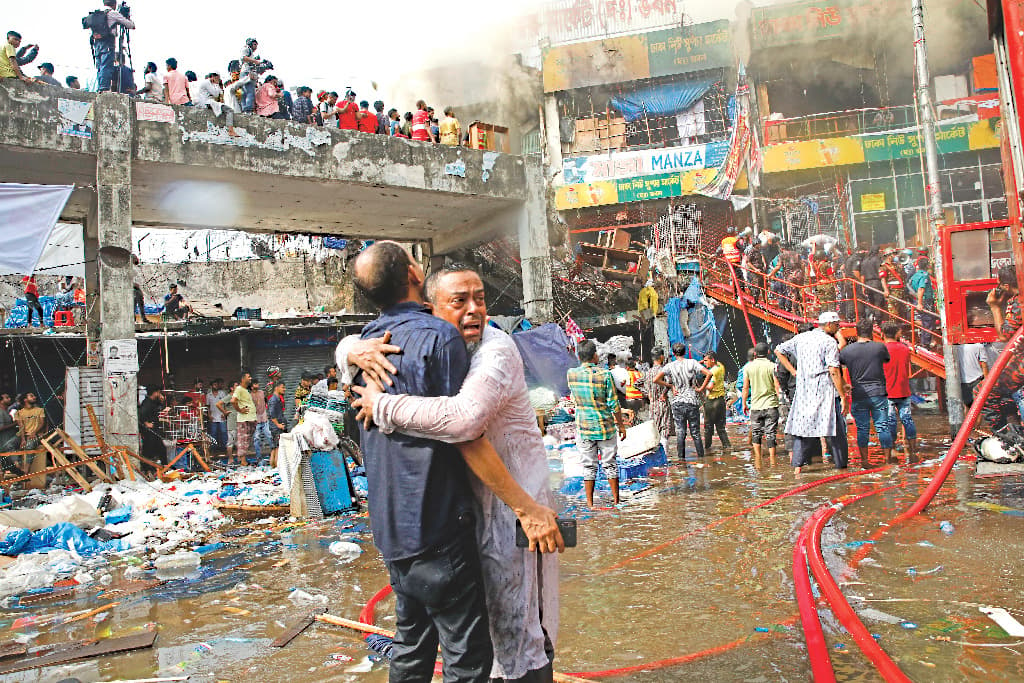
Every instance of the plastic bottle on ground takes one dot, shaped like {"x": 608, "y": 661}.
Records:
{"x": 178, "y": 563}
{"x": 946, "y": 527}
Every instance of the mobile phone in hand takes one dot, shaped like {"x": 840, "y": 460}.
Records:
{"x": 566, "y": 526}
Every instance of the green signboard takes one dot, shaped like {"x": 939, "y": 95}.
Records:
{"x": 807, "y": 20}
{"x": 650, "y": 187}
{"x": 950, "y": 139}
{"x": 700, "y": 46}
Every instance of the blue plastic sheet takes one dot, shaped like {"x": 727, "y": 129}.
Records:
{"x": 660, "y": 100}
{"x": 335, "y": 243}
{"x": 18, "y": 316}
{"x": 62, "y": 536}
{"x": 546, "y": 357}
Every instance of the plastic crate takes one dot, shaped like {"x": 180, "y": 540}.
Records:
{"x": 632, "y": 469}
{"x": 327, "y": 403}
{"x": 249, "y": 313}
{"x": 657, "y": 457}
{"x": 203, "y": 325}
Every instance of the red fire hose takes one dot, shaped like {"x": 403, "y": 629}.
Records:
{"x": 834, "y": 597}
{"x": 840, "y": 606}
{"x": 821, "y": 663}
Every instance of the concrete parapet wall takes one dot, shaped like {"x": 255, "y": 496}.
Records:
{"x": 275, "y": 286}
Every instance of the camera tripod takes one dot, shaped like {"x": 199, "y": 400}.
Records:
{"x": 124, "y": 48}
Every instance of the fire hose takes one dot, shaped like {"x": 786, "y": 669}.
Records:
{"x": 830, "y": 590}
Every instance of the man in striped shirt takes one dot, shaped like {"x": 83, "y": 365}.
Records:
{"x": 598, "y": 418}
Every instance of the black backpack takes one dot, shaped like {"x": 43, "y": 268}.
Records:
{"x": 96, "y": 22}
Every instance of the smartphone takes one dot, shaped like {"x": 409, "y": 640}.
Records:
{"x": 566, "y": 526}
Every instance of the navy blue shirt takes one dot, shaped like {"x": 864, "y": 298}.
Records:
{"x": 418, "y": 488}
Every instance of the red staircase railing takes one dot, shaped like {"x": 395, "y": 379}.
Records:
{"x": 787, "y": 305}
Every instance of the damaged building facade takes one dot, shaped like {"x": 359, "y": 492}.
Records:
{"x": 639, "y": 133}
{"x": 835, "y": 97}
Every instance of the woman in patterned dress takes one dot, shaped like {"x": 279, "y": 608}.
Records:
{"x": 657, "y": 395}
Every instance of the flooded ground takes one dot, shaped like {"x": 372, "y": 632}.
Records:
{"x": 723, "y": 595}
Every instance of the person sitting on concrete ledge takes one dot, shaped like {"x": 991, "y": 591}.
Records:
{"x": 174, "y": 304}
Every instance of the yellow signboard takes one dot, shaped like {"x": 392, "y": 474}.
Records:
{"x": 872, "y": 202}
{"x": 804, "y": 154}
{"x": 579, "y": 65}
{"x": 794, "y": 156}
{"x": 581, "y": 195}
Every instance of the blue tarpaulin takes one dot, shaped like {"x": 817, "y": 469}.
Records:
{"x": 660, "y": 100}
{"x": 62, "y": 536}
{"x": 546, "y": 358}
{"x": 18, "y": 315}
{"x": 701, "y": 333}
{"x": 335, "y": 243}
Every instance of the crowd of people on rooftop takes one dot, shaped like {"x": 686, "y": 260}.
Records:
{"x": 247, "y": 87}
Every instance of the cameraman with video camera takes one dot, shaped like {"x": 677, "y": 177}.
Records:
{"x": 101, "y": 23}
{"x": 252, "y": 67}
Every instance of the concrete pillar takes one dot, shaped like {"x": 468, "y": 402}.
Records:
{"x": 552, "y": 137}
{"x": 534, "y": 252}
{"x": 113, "y": 136}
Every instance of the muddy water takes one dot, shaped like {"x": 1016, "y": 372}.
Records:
{"x": 724, "y": 594}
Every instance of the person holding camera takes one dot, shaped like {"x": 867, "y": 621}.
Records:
{"x": 250, "y": 64}
{"x": 102, "y": 23}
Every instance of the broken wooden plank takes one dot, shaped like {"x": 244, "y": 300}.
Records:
{"x": 66, "y": 466}
{"x": 298, "y": 627}
{"x": 85, "y": 649}
{"x": 12, "y": 649}
{"x": 355, "y": 625}
{"x": 35, "y": 598}
{"x": 84, "y": 457}
{"x": 123, "y": 588}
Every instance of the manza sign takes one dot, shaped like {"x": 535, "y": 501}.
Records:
{"x": 645, "y": 162}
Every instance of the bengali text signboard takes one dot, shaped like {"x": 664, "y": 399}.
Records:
{"x": 805, "y": 154}
{"x": 702, "y": 46}
{"x": 808, "y": 21}
{"x": 665, "y": 52}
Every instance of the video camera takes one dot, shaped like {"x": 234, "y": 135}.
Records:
{"x": 263, "y": 67}
{"x": 124, "y": 10}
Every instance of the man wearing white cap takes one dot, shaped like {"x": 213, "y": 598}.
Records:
{"x": 819, "y": 404}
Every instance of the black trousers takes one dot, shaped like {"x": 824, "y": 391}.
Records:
{"x": 714, "y": 419}
{"x": 139, "y": 302}
{"x": 439, "y": 600}
{"x": 33, "y": 305}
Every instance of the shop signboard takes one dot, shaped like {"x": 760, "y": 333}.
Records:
{"x": 618, "y": 165}
{"x": 808, "y": 20}
{"x": 872, "y": 202}
{"x": 664, "y": 52}
{"x": 805, "y": 154}
{"x": 701, "y": 46}
{"x": 906, "y": 144}
{"x": 642, "y": 188}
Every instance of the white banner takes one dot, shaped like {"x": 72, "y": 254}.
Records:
{"x": 643, "y": 162}
{"x": 27, "y": 216}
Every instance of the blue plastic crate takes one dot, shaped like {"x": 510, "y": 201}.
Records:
{"x": 632, "y": 469}
{"x": 657, "y": 457}
{"x": 330, "y": 475}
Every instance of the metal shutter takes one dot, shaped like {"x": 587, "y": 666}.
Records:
{"x": 293, "y": 361}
